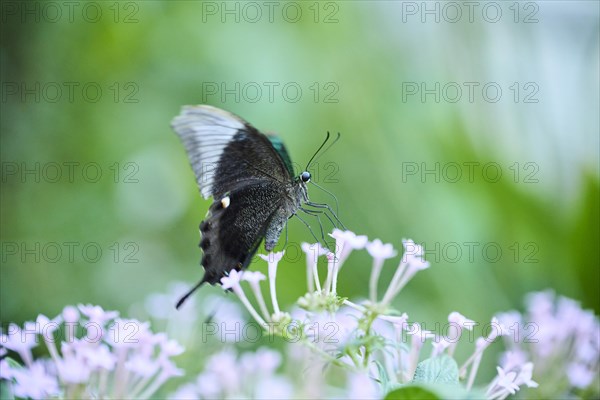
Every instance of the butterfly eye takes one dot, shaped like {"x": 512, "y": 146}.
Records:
{"x": 305, "y": 176}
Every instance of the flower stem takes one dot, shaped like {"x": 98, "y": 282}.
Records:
{"x": 315, "y": 274}
{"x": 237, "y": 289}
{"x": 473, "y": 371}
{"x": 375, "y": 272}
{"x": 260, "y": 299}
{"x": 391, "y": 290}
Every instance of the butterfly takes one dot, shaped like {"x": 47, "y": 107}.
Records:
{"x": 251, "y": 179}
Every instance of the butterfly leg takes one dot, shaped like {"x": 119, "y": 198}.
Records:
{"x": 323, "y": 240}
{"x": 324, "y": 213}
{"x": 316, "y": 214}
{"x": 309, "y": 228}
{"x": 328, "y": 208}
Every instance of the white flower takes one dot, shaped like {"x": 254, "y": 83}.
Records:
{"x": 274, "y": 387}
{"x": 497, "y": 329}
{"x": 361, "y": 386}
{"x": 70, "y": 315}
{"x": 253, "y": 276}
{"x": 525, "y": 374}
{"x": 439, "y": 345}
{"x": 169, "y": 369}
{"x": 45, "y": 326}
{"x": 98, "y": 356}
{"x": 124, "y": 363}
{"x": 73, "y": 370}
{"x": 208, "y": 385}
{"x": 481, "y": 343}
{"x": 461, "y": 320}
{"x": 411, "y": 249}
{"x": 5, "y": 371}
{"x": 580, "y": 376}
{"x": 349, "y": 238}
{"x": 21, "y": 341}
{"x": 34, "y": 382}
{"x": 513, "y": 359}
{"x": 272, "y": 260}
{"x": 381, "y": 251}
{"x": 507, "y": 380}
{"x": 345, "y": 242}
{"x": 96, "y": 314}
{"x": 397, "y": 320}
{"x": 416, "y": 332}
{"x": 264, "y": 361}
{"x": 226, "y": 368}
{"x": 142, "y": 365}
{"x": 232, "y": 280}
{"x": 313, "y": 250}
{"x": 186, "y": 392}
{"x": 170, "y": 348}
{"x": 127, "y": 333}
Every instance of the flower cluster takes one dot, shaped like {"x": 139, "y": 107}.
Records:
{"x": 563, "y": 341}
{"x": 99, "y": 356}
{"x": 331, "y": 346}
{"x": 369, "y": 338}
{"x": 249, "y": 375}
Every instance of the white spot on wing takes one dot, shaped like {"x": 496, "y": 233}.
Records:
{"x": 205, "y": 131}
{"x": 225, "y": 201}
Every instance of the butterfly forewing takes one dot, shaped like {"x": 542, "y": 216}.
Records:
{"x": 225, "y": 151}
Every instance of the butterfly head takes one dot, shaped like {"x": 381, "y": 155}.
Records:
{"x": 305, "y": 176}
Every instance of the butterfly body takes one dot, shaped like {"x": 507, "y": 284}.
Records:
{"x": 250, "y": 178}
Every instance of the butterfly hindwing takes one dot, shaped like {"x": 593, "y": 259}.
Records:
{"x": 231, "y": 235}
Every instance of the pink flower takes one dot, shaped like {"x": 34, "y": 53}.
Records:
{"x": 461, "y": 320}
{"x": 525, "y": 374}
{"x": 253, "y": 277}
{"x": 34, "y": 382}
{"x": 21, "y": 341}
{"x": 345, "y": 242}
{"x": 70, "y": 315}
{"x": 379, "y": 250}
{"x": 96, "y": 314}
{"x": 580, "y": 376}
{"x": 507, "y": 380}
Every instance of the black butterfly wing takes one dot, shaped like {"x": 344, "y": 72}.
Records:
{"x": 247, "y": 178}
{"x": 225, "y": 151}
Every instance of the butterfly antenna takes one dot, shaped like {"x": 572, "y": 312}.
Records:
{"x": 189, "y": 293}
{"x": 313, "y": 159}
{"x": 318, "y": 150}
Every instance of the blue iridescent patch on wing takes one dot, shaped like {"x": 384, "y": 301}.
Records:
{"x": 282, "y": 151}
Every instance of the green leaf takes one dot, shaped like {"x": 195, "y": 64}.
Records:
{"x": 12, "y": 363}
{"x": 384, "y": 379}
{"x": 5, "y": 389}
{"x": 434, "y": 392}
{"x": 440, "y": 369}
{"x": 412, "y": 392}
{"x": 5, "y": 392}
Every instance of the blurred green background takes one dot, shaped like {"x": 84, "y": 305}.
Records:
{"x": 348, "y": 67}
